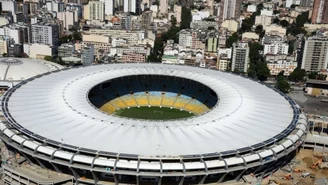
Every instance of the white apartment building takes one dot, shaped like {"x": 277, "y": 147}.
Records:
{"x": 163, "y": 6}
{"x": 109, "y": 7}
{"x": 263, "y": 20}
{"x": 240, "y": 57}
{"x": 68, "y": 18}
{"x": 96, "y": 10}
{"x": 315, "y": 54}
{"x": 55, "y": 6}
{"x": 45, "y": 33}
{"x": 9, "y": 5}
{"x": 20, "y": 33}
{"x": 276, "y": 48}
{"x": 185, "y": 38}
{"x": 130, "y": 6}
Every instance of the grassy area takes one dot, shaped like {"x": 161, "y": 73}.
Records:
{"x": 154, "y": 113}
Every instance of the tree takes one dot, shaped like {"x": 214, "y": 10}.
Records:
{"x": 48, "y": 58}
{"x": 284, "y": 23}
{"x": 283, "y": 85}
{"x": 247, "y": 25}
{"x": 4, "y": 54}
{"x": 297, "y": 75}
{"x": 173, "y": 21}
{"x": 302, "y": 19}
{"x": 232, "y": 39}
{"x": 259, "y": 29}
{"x": 291, "y": 46}
{"x": 276, "y": 21}
{"x": 157, "y": 51}
{"x": 262, "y": 71}
{"x": 186, "y": 18}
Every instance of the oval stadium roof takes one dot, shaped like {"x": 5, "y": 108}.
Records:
{"x": 56, "y": 107}
{"x": 18, "y": 69}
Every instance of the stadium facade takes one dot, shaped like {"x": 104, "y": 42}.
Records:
{"x": 50, "y": 120}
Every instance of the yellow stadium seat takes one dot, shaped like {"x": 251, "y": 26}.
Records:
{"x": 155, "y": 100}
{"x": 142, "y": 100}
{"x": 168, "y": 100}
{"x": 129, "y": 100}
{"x": 181, "y": 102}
{"x": 108, "y": 108}
{"x": 118, "y": 102}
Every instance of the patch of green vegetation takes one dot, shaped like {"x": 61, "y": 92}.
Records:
{"x": 153, "y": 113}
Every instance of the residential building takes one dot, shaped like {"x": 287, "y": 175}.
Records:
{"x": 132, "y": 57}
{"x": 66, "y": 50}
{"x": 133, "y": 37}
{"x": 230, "y": 9}
{"x": 94, "y": 10}
{"x": 230, "y": 25}
{"x": 319, "y": 12}
{"x": 55, "y": 6}
{"x": 109, "y": 7}
{"x": 163, "y": 6}
{"x": 240, "y": 57}
{"x": 130, "y": 6}
{"x": 185, "y": 38}
{"x": 73, "y": 7}
{"x": 88, "y": 55}
{"x": 315, "y": 53}
{"x": 250, "y": 36}
{"x": 281, "y": 65}
{"x": 39, "y": 51}
{"x": 204, "y": 25}
{"x": 263, "y": 20}
{"x": 20, "y": 33}
{"x": 224, "y": 58}
{"x": 14, "y": 49}
{"x": 9, "y": 5}
{"x": 266, "y": 12}
{"x": 212, "y": 43}
{"x": 3, "y": 45}
{"x": 276, "y": 48}
{"x": 129, "y": 49}
{"x": 275, "y": 29}
{"x": 69, "y": 18}
{"x": 45, "y": 33}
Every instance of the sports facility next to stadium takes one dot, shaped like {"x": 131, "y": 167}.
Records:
{"x": 77, "y": 121}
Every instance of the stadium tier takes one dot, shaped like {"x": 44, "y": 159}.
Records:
{"x": 154, "y": 90}
{"x": 241, "y": 126}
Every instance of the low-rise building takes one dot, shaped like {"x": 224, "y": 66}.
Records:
{"x": 282, "y": 65}
{"x": 66, "y": 50}
{"x": 39, "y": 51}
{"x": 133, "y": 57}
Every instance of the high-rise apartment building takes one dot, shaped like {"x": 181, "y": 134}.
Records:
{"x": 88, "y": 55}
{"x": 109, "y": 7}
{"x": 240, "y": 57}
{"x": 45, "y": 33}
{"x": 163, "y": 6}
{"x": 320, "y": 12}
{"x": 229, "y": 9}
{"x": 96, "y": 10}
{"x": 130, "y": 6}
{"x": 315, "y": 53}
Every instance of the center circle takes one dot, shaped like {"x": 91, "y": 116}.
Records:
{"x": 153, "y": 97}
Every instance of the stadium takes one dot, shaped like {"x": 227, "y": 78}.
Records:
{"x": 151, "y": 124}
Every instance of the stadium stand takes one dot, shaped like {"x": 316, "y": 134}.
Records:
{"x": 153, "y": 90}
{"x": 141, "y": 98}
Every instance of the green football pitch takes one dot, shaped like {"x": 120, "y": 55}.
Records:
{"x": 154, "y": 113}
